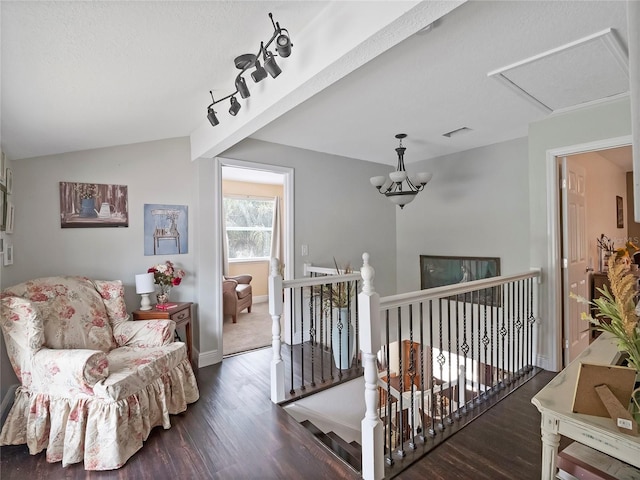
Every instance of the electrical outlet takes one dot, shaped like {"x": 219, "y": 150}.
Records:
{"x": 305, "y": 250}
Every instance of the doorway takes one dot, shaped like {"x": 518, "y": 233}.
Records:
{"x": 591, "y": 181}
{"x": 252, "y": 188}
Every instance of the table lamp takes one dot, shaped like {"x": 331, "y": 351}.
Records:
{"x": 145, "y": 286}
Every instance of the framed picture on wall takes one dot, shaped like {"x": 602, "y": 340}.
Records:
{"x": 619, "y": 212}
{"x": 11, "y": 213}
{"x": 8, "y": 177}
{"x": 166, "y": 229}
{"x": 3, "y": 208}
{"x": 438, "y": 271}
{"x": 3, "y": 163}
{"x": 85, "y": 205}
{"x": 8, "y": 255}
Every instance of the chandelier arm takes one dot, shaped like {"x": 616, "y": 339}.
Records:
{"x": 413, "y": 187}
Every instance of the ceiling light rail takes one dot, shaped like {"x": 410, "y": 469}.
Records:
{"x": 248, "y": 60}
{"x": 401, "y": 189}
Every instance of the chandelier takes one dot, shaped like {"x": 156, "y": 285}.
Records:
{"x": 401, "y": 189}
{"x": 248, "y": 60}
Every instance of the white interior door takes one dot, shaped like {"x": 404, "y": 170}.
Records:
{"x": 574, "y": 257}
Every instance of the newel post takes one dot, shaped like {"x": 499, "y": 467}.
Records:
{"x": 372, "y": 428}
{"x": 275, "y": 310}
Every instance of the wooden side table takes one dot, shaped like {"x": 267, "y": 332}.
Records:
{"x": 181, "y": 314}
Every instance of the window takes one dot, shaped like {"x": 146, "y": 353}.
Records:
{"x": 249, "y": 227}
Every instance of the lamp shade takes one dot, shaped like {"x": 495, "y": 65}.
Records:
{"x": 144, "y": 283}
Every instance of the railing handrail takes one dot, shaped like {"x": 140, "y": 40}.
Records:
{"x": 313, "y": 281}
{"x": 403, "y": 299}
{"x": 310, "y": 268}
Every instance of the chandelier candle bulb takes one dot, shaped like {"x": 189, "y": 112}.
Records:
{"x": 424, "y": 177}
{"x": 378, "y": 181}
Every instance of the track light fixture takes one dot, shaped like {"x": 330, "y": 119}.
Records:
{"x": 247, "y": 61}
{"x": 211, "y": 115}
{"x": 235, "y": 106}
{"x": 401, "y": 189}
{"x": 283, "y": 45}
{"x": 270, "y": 64}
{"x": 259, "y": 73}
{"x": 241, "y": 87}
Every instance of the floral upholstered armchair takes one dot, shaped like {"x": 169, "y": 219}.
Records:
{"x": 93, "y": 383}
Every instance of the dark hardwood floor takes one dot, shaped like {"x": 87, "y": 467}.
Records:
{"x": 235, "y": 432}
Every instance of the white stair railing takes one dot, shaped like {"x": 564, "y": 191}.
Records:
{"x": 480, "y": 345}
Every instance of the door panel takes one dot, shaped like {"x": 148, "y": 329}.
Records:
{"x": 575, "y": 262}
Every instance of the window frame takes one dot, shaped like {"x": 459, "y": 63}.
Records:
{"x": 251, "y": 229}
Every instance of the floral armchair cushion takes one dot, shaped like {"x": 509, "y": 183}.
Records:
{"x": 73, "y": 313}
{"x": 94, "y": 384}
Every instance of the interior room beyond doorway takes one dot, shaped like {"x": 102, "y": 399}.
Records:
{"x": 250, "y": 198}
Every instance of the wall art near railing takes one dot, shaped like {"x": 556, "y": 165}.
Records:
{"x": 438, "y": 271}
{"x": 166, "y": 229}
{"x": 84, "y": 205}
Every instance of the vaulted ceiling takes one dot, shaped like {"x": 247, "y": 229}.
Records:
{"x": 82, "y": 75}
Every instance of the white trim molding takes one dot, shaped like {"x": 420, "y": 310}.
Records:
{"x": 553, "y": 270}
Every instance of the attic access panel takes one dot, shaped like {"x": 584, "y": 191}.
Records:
{"x": 583, "y": 71}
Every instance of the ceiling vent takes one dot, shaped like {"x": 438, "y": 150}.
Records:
{"x": 458, "y": 131}
{"x": 586, "y": 70}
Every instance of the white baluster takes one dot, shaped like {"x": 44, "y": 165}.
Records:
{"x": 275, "y": 310}
{"x": 370, "y": 342}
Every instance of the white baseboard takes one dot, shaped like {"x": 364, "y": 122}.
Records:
{"x": 208, "y": 358}
{"x": 260, "y": 298}
{"x": 7, "y": 401}
{"x": 543, "y": 362}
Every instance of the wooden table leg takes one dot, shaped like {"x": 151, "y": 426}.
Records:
{"x": 187, "y": 329}
{"x": 550, "y": 443}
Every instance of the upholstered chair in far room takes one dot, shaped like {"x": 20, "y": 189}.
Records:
{"x": 93, "y": 382}
{"x": 236, "y": 295}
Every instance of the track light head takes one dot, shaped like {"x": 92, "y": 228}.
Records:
{"x": 235, "y": 106}
{"x": 211, "y": 115}
{"x": 270, "y": 64}
{"x": 283, "y": 45}
{"x": 242, "y": 88}
{"x": 259, "y": 73}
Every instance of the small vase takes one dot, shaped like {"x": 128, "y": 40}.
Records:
{"x": 342, "y": 339}
{"x": 163, "y": 296}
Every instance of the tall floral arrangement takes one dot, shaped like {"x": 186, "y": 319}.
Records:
{"x": 166, "y": 274}
{"x": 616, "y": 309}
{"x": 336, "y": 295}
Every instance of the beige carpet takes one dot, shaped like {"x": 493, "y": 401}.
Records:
{"x": 252, "y": 330}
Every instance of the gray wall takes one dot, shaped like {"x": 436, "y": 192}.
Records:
{"x": 477, "y": 204}
{"x": 599, "y": 122}
{"x": 337, "y": 211}
{"x": 155, "y": 172}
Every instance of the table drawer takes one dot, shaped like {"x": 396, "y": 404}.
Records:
{"x": 181, "y": 315}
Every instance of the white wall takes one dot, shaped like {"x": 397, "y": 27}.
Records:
{"x": 477, "y": 204}
{"x": 598, "y": 122}
{"x": 604, "y": 181}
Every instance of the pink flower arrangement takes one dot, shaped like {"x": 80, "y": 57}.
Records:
{"x": 166, "y": 274}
